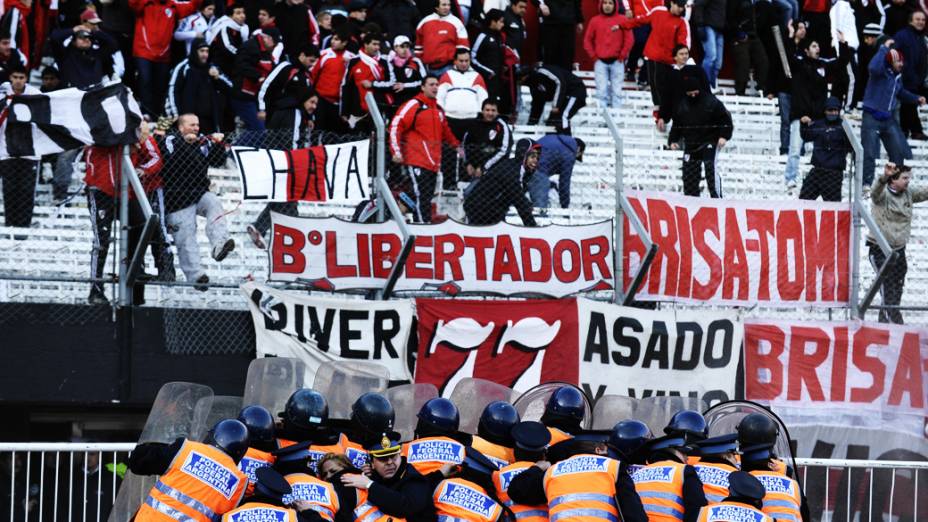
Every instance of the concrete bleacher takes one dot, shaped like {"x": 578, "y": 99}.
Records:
{"x": 59, "y": 242}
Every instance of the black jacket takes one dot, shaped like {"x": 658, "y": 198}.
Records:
{"x": 221, "y": 55}
{"x": 395, "y": 17}
{"x": 514, "y": 30}
{"x": 488, "y": 198}
{"x": 709, "y": 12}
{"x": 810, "y": 83}
{"x": 193, "y": 90}
{"x": 252, "y": 63}
{"x": 410, "y": 75}
{"x": 830, "y": 144}
{"x": 294, "y": 25}
{"x": 283, "y": 88}
{"x": 487, "y": 53}
{"x": 83, "y": 68}
{"x": 407, "y": 495}
{"x": 563, "y": 12}
{"x": 552, "y": 83}
{"x": 185, "y": 170}
{"x": 700, "y": 121}
{"x": 486, "y": 143}
{"x": 16, "y": 58}
{"x": 673, "y": 88}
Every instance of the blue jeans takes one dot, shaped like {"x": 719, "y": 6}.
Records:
{"x": 609, "y": 78}
{"x": 153, "y": 84}
{"x": 795, "y": 150}
{"x": 712, "y": 45}
{"x": 539, "y": 185}
{"x": 872, "y": 131}
{"x": 247, "y": 111}
{"x": 784, "y": 101}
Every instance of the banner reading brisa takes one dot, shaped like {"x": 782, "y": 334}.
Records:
{"x": 741, "y": 252}
{"x": 500, "y": 259}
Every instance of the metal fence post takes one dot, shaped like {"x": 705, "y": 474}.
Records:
{"x": 124, "y": 299}
{"x": 619, "y": 228}
{"x": 856, "y": 225}
{"x": 380, "y": 143}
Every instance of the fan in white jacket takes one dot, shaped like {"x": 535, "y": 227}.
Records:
{"x": 461, "y": 90}
{"x": 196, "y": 25}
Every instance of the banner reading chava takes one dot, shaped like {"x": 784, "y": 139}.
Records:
{"x": 288, "y": 324}
{"x": 741, "y": 252}
{"x": 452, "y": 257}
{"x": 644, "y": 353}
{"x": 325, "y": 173}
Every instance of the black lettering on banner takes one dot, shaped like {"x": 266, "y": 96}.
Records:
{"x": 346, "y": 334}
{"x": 384, "y": 335}
{"x": 657, "y": 349}
{"x": 298, "y": 320}
{"x": 353, "y": 168}
{"x": 594, "y": 396}
{"x": 713, "y": 397}
{"x": 269, "y": 322}
{"x": 727, "y": 329}
{"x": 628, "y": 341}
{"x": 324, "y": 333}
{"x": 596, "y": 343}
{"x": 107, "y": 113}
{"x": 679, "y": 363}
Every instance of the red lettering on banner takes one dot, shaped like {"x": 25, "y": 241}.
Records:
{"x": 863, "y": 339}
{"x": 762, "y": 222}
{"x": 332, "y": 268}
{"x": 505, "y": 262}
{"x": 570, "y": 247}
{"x": 364, "y": 255}
{"x": 595, "y": 250}
{"x": 479, "y": 245}
{"x": 843, "y": 243}
{"x": 288, "y": 250}
{"x": 736, "y": 261}
{"x": 452, "y": 258}
{"x": 820, "y": 254}
{"x": 707, "y": 219}
{"x": 529, "y": 245}
{"x": 755, "y": 361}
{"x": 686, "y": 246}
{"x": 417, "y": 257}
{"x": 789, "y": 230}
{"x": 839, "y": 365}
{"x": 908, "y": 379}
{"x": 632, "y": 243}
{"x": 802, "y": 365}
{"x": 386, "y": 248}
{"x": 666, "y": 239}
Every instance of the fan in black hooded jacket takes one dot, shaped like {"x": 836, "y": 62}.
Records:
{"x": 704, "y": 125}
{"x": 198, "y": 87}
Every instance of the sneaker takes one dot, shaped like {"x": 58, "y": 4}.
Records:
{"x": 256, "y": 237}
{"x": 918, "y": 136}
{"x": 202, "y": 283}
{"x": 97, "y": 299}
{"x": 791, "y": 188}
{"x": 865, "y": 193}
{"x": 222, "y": 251}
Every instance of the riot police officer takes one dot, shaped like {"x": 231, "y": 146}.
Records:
{"x": 270, "y": 501}
{"x": 743, "y": 502}
{"x": 306, "y": 419}
{"x": 757, "y": 435}
{"x": 438, "y": 448}
{"x": 718, "y": 458}
{"x": 629, "y": 437}
{"x": 262, "y": 442}
{"x": 564, "y": 413}
{"x": 530, "y": 439}
{"x": 493, "y": 437}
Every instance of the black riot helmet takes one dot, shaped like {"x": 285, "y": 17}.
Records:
{"x": 691, "y": 424}
{"x": 497, "y": 421}
{"x": 372, "y": 413}
{"x": 438, "y": 415}
{"x": 306, "y": 409}
{"x": 231, "y": 436}
{"x": 628, "y": 436}
{"x": 757, "y": 428}
{"x": 566, "y": 404}
{"x": 260, "y": 424}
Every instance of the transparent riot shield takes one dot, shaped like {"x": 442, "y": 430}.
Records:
{"x": 531, "y": 404}
{"x": 610, "y": 409}
{"x": 407, "y": 400}
{"x": 472, "y": 395}
{"x": 342, "y": 382}
{"x": 172, "y": 416}
{"x": 272, "y": 380}
{"x": 657, "y": 411}
{"x": 724, "y": 418}
{"x": 210, "y": 410}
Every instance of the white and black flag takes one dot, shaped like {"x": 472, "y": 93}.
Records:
{"x": 39, "y": 124}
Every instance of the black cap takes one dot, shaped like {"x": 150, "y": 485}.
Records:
{"x": 357, "y": 5}
{"x": 387, "y": 446}
{"x": 199, "y": 43}
{"x": 294, "y": 452}
{"x": 717, "y": 445}
{"x": 757, "y": 452}
{"x": 744, "y": 485}
{"x": 273, "y": 32}
{"x": 531, "y": 436}
{"x": 680, "y": 3}
{"x": 832, "y": 103}
{"x": 271, "y": 484}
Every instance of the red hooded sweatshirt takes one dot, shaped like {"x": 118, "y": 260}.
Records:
{"x": 667, "y": 31}
{"x": 604, "y": 39}
{"x": 155, "y": 21}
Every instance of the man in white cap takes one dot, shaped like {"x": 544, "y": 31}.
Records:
{"x": 403, "y": 72}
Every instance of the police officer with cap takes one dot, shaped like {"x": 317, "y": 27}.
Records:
{"x": 271, "y": 497}
{"x": 530, "y": 439}
{"x": 262, "y": 442}
{"x": 629, "y": 437}
{"x": 743, "y": 502}
{"x": 718, "y": 457}
{"x": 668, "y": 486}
{"x": 204, "y": 474}
{"x": 564, "y": 413}
{"x": 331, "y": 502}
{"x": 757, "y": 436}
{"x": 394, "y": 489}
{"x": 493, "y": 438}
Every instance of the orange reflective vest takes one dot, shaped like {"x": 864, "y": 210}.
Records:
{"x": 499, "y": 455}
{"x": 367, "y": 512}
{"x": 459, "y": 500}
{"x": 250, "y": 463}
{"x": 354, "y": 451}
{"x": 582, "y": 489}
{"x": 319, "y": 493}
{"x": 732, "y": 512}
{"x": 431, "y": 453}
{"x": 283, "y": 443}
{"x": 522, "y": 512}
{"x": 260, "y": 512}
{"x": 714, "y": 477}
{"x": 317, "y": 451}
{"x": 558, "y": 436}
{"x": 201, "y": 484}
{"x": 660, "y": 486}
{"x": 783, "y": 499}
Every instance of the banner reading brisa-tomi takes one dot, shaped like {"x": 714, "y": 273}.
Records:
{"x": 452, "y": 257}
{"x": 741, "y": 252}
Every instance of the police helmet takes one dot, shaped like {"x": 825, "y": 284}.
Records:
{"x": 373, "y": 413}
{"x": 688, "y": 423}
{"x": 231, "y": 436}
{"x": 496, "y": 422}
{"x": 756, "y": 429}
{"x": 628, "y": 436}
{"x": 567, "y": 402}
{"x": 306, "y": 409}
{"x": 260, "y": 423}
{"x": 440, "y": 414}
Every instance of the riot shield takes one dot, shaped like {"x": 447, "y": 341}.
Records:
{"x": 342, "y": 382}
{"x": 472, "y": 395}
{"x": 172, "y": 415}
{"x": 272, "y": 380}
{"x": 724, "y": 418}
{"x": 657, "y": 411}
{"x": 407, "y": 400}
{"x": 610, "y": 409}
{"x": 210, "y": 410}
{"x": 531, "y": 404}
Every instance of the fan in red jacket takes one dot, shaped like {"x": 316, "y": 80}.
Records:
{"x": 609, "y": 45}
{"x": 155, "y": 21}
{"x": 437, "y": 37}
{"x": 416, "y": 134}
{"x": 668, "y": 29}
{"x": 326, "y": 76}
{"x": 362, "y": 71}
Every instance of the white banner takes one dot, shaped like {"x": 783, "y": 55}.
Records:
{"x": 288, "y": 324}
{"x": 452, "y": 257}
{"x": 644, "y": 353}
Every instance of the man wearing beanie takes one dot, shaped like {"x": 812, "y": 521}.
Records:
{"x": 872, "y": 38}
